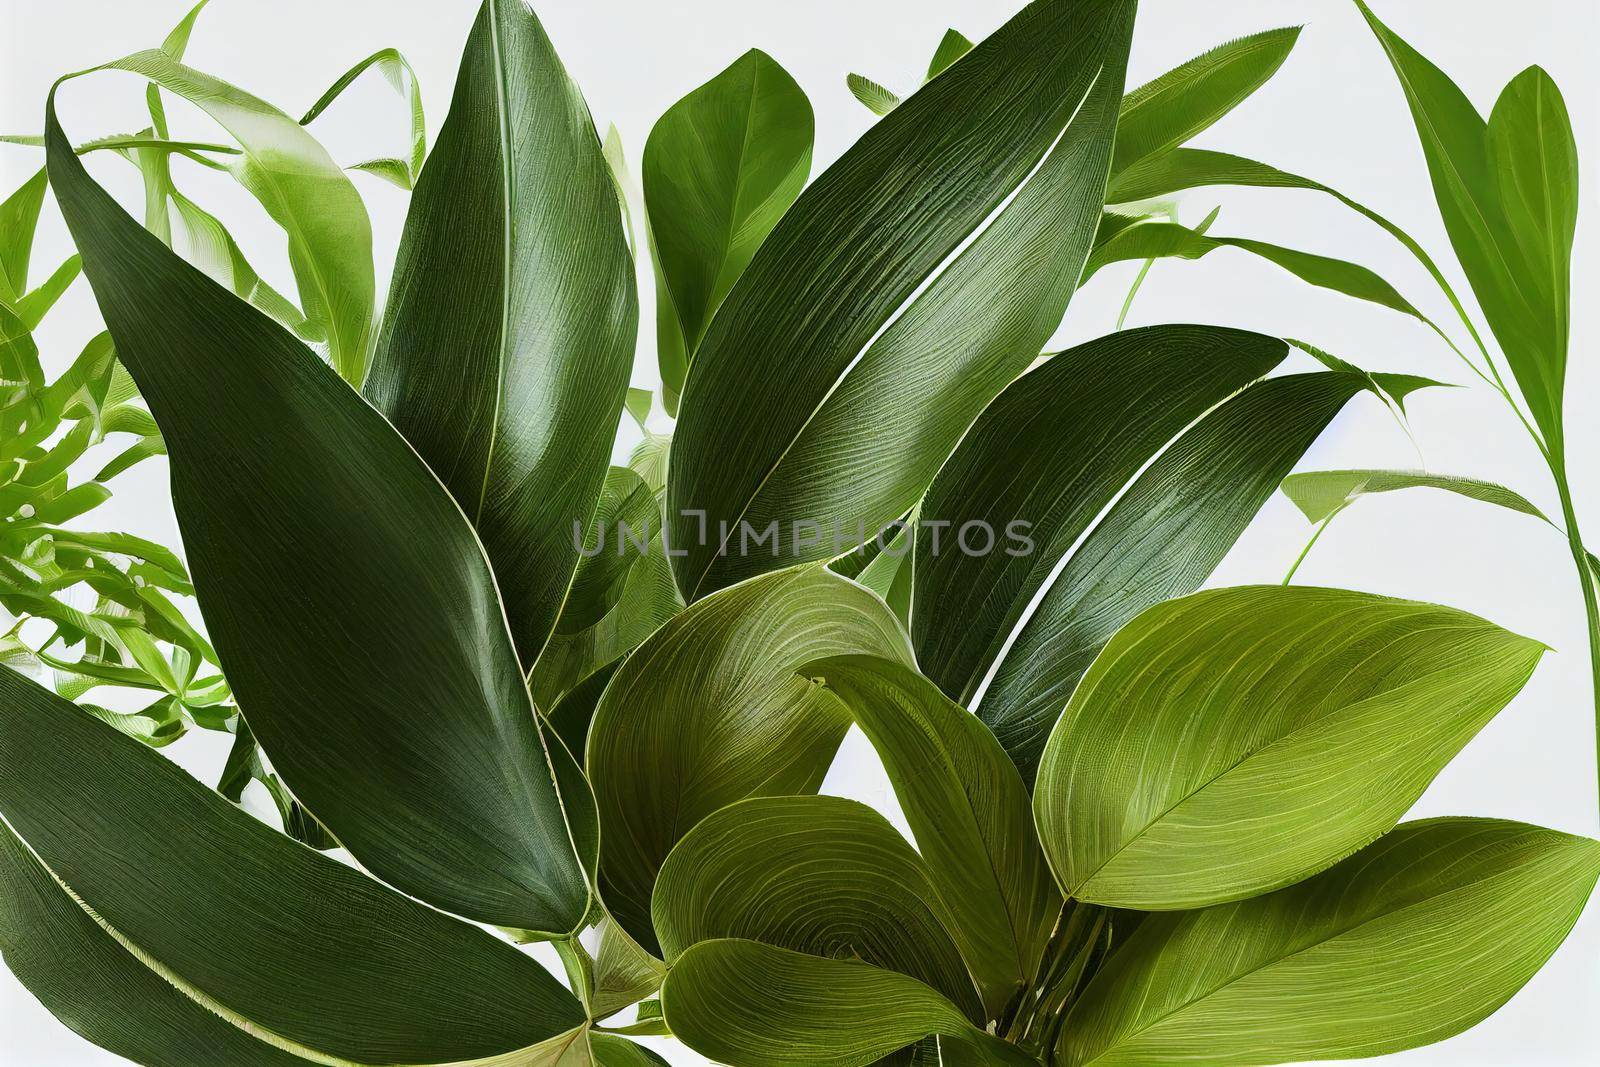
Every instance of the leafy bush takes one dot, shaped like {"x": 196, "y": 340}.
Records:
{"x": 593, "y": 706}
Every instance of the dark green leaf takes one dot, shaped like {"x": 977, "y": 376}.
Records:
{"x": 952, "y": 46}
{"x": 505, "y": 353}
{"x": 625, "y": 520}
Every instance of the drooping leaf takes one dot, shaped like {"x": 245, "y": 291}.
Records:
{"x": 456, "y": 806}
{"x": 169, "y": 927}
{"x": 720, "y": 168}
{"x": 709, "y": 711}
{"x": 1507, "y": 191}
{"x": 815, "y": 874}
{"x": 1123, "y": 450}
{"x": 1320, "y": 494}
{"x": 744, "y": 1002}
{"x": 1415, "y": 938}
{"x": 303, "y": 190}
{"x": 396, "y": 70}
{"x": 906, "y": 286}
{"x": 876, "y": 98}
{"x": 969, "y": 812}
{"x": 505, "y": 352}
{"x": 1238, "y": 740}
{"x": 1187, "y": 100}
{"x": 952, "y": 46}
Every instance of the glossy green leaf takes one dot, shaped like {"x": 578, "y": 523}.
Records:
{"x": 876, "y": 98}
{"x": 908, "y": 284}
{"x": 303, "y": 190}
{"x": 1123, "y": 448}
{"x": 397, "y": 71}
{"x": 1161, "y": 240}
{"x": 1164, "y": 113}
{"x": 505, "y": 352}
{"x": 172, "y": 928}
{"x": 1416, "y": 938}
{"x": 1238, "y": 740}
{"x": 720, "y": 168}
{"x": 755, "y": 1005}
{"x": 969, "y": 812}
{"x": 1508, "y": 193}
{"x": 815, "y": 874}
{"x": 709, "y": 711}
{"x": 952, "y": 46}
{"x": 1322, "y": 494}
{"x": 457, "y": 806}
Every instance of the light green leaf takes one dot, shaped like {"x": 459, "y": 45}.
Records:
{"x": 1187, "y": 100}
{"x": 744, "y": 1002}
{"x": 1238, "y": 740}
{"x": 624, "y": 973}
{"x": 626, "y": 518}
{"x": 33, "y": 307}
{"x": 610, "y": 1050}
{"x": 209, "y": 246}
{"x": 709, "y": 711}
{"x": 720, "y": 168}
{"x": 19, "y": 218}
{"x": 1322, "y": 494}
{"x": 913, "y": 279}
{"x": 878, "y": 100}
{"x": 397, "y": 71}
{"x": 1415, "y": 938}
{"x": 505, "y": 351}
{"x": 169, "y": 927}
{"x": 952, "y": 46}
{"x": 1139, "y": 458}
{"x": 264, "y": 437}
{"x": 969, "y": 812}
{"x": 814, "y": 874}
{"x": 1514, "y": 252}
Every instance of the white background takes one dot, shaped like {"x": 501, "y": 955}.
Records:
{"x": 1334, "y": 113}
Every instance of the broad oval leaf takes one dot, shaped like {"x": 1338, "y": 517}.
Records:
{"x": 361, "y": 627}
{"x": 506, "y": 349}
{"x": 969, "y": 812}
{"x": 1238, "y": 740}
{"x": 1415, "y": 938}
{"x": 1322, "y": 494}
{"x": 709, "y": 711}
{"x": 720, "y": 168}
{"x": 168, "y": 926}
{"x": 906, "y": 286}
{"x": 756, "y": 1005}
{"x": 816, "y": 874}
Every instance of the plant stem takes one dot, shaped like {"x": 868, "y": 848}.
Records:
{"x": 1127, "y": 304}
{"x": 1306, "y": 551}
{"x": 1591, "y": 608}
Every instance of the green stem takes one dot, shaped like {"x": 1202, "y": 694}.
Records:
{"x": 1591, "y": 607}
{"x": 579, "y": 967}
{"x": 1306, "y": 551}
{"x": 1127, "y": 304}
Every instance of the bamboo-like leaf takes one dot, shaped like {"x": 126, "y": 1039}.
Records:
{"x": 709, "y": 711}
{"x": 815, "y": 874}
{"x": 1124, "y": 450}
{"x": 456, "y": 806}
{"x": 33, "y": 306}
{"x": 1508, "y": 193}
{"x": 505, "y": 352}
{"x": 720, "y": 168}
{"x": 1187, "y": 100}
{"x": 396, "y": 70}
{"x": 1415, "y": 938}
{"x": 1322, "y": 494}
{"x": 906, "y": 286}
{"x": 744, "y": 1002}
{"x": 171, "y": 928}
{"x": 1238, "y": 740}
{"x": 19, "y": 218}
{"x": 969, "y": 812}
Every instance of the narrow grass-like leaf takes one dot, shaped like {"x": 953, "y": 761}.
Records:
{"x": 1238, "y": 740}
{"x": 1415, "y": 938}
{"x": 396, "y": 70}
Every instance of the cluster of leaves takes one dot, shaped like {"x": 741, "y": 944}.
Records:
{"x": 1150, "y": 824}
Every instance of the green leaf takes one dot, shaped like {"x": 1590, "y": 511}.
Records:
{"x": 720, "y": 168}
{"x": 167, "y": 926}
{"x": 952, "y": 46}
{"x": 612, "y": 1051}
{"x": 624, "y": 973}
{"x": 1416, "y": 938}
{"x": 969, "y": 812}
{"x": 744, "y": 1002}
{"x": 908, "y": 284}
{"x": 303, "y": 190}
{"x": 814, "y": 874}
{"x": 1322, "y": 494}
{"x": 626, "y": 515}
{"x": 397, "y": 71}
{"x": 1507, "y": 191}
{"x": 457, "y": 806}
{"x": 19, "y": 218}
{"x": 709, "y": 711}
{"x": 1238, "y": 740}
{"x": 1161, "y": 240}
{"x": 505, "y": 351}
{"x": 209, "y": 246}
{"x": 1189, "y": 99}
{"x": 33, "y": 307}
{"x": 878, "y": 100}
{"x": 1139, "y": 459}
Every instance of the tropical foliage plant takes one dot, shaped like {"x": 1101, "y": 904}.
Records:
{"x": 1147, "y": 823}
